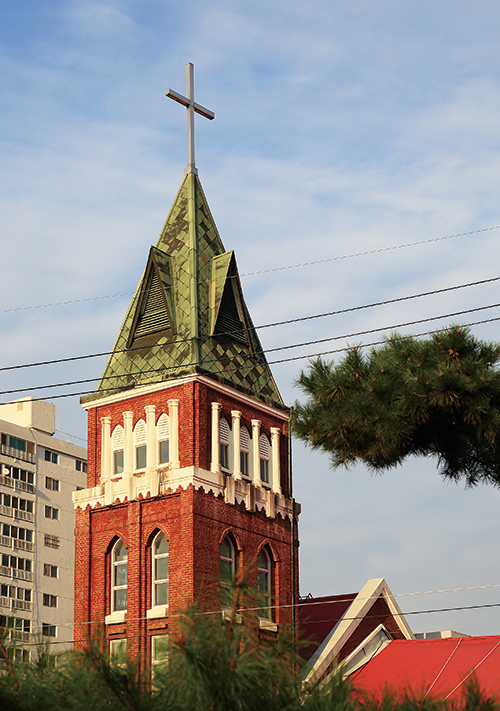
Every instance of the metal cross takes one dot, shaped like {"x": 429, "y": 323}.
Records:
{"x": 191, "y": 107}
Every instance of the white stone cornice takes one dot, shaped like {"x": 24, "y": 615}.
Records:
{"x": 176, "y": 382}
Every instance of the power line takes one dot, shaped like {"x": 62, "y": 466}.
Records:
{"x": 265, "y": 271}
{"x": 241, "y": 610}
{"x": 267, "y": 325}
{"x": 268, "y": 350}
{"x": 178, "y": 367}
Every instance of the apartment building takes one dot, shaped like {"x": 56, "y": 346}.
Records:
{"x": 38, "y": 475}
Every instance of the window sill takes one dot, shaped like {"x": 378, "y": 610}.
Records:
{"x": 226, "y": 616}
{"x": 157, "y": 611}
{"x": 114, "y": 617}
{"x": 267, "y": 625}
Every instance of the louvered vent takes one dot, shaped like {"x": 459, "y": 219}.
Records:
{"x": 163, "y": 428}
{"x": 140, "y": 433}
{"x": 117, "y": 438}
{"x": 153, "y": 315}
{"x": 223, "y": 432}
{"x": 228, "y": 320}
{"x": 244, "y": 440}
{"x": 264, "y": 447}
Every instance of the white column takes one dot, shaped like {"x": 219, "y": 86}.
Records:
{"x": 236, "y": 417}
{"x": 128, "y": 443}
{"x": 215, "y": 464}
{"x": 151, "y": 443}
{"x": 275, "y": 460}
{"x": 105, "y": 448}
{"x": 173, "y": 414}
{"x": 256, "y": 452}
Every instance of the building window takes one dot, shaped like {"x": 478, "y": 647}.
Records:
{"x": 140, "y": 438}
{"x": 140, "y": 457}
{"x": 48, "y": 630}
{"x": 19, "y": 563}
{"x": 264, "y": 576}
{"x": 52, "y": 484}
{"x": 118, "y": 462}
{"x": 118, "y": 651}
{"x": 163, "y": 432}
{"x": 81, "y": 466}
{"x": 17, "y": 443}
{"x": 119, "y": 560}
{"x": 15, "y": 623}
{"x": 244, "y": 451}
{"x": 117, "y": 440}
{"x": 49, "y": 600}
{"x": 22, "y": 534}
{"x": 52, "y": 457}
{"x": 227, "y": 571}
{"x": 160, "y": 570}
{"x": 51, "y": 541}
{"x": 224, "y": 443}
{"x": 51, "y": 512}
{"x": 264, "y": 458}
{"x": 159, "y": 651}
{"x": 50, "y": 570}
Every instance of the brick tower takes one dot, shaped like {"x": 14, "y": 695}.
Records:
{"x": 188, "y": 441}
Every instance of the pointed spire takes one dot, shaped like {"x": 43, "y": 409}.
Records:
{"x": 188, "y": 313}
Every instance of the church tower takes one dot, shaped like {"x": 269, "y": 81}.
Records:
{"x": 188, "y": 449}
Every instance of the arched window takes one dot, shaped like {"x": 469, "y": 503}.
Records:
{"x": 264, "y": 458}
{"x": 160, "y": 570}
{"x": 227, "y": 570}
{"x": 117, "y": 447}
{"x": 163, "y": 431}
{"x": 244, "y": 451}
{"x": 119, "y": 558}
{"x": 224, "y": 432}
{"x": 264, "y": 577}
{"x": 140, "y": 439}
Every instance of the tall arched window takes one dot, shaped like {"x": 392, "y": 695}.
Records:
{"x": 264, "y": 458}
{"x": 119, "y": 560}
{"x": 140, "y": 439}
{"x": 160, "y": 570}
{"x": 117, "y": 447}
{"x": 227, "y": 570}
{"x": 163, "y": 431}
{"x": 244, "y": 451}
{"x": 264, "y": 577}
{"x": 224, "y": 433}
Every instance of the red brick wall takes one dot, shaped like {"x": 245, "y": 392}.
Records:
{"x": 195, "y": 424}
{"x": 194, "y": 522}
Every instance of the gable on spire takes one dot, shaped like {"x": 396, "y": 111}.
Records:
{"x": 227, "y": 316}
{"x": 155, "y": 310}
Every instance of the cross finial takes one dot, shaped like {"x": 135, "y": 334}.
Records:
{"x": 192, "y": 107}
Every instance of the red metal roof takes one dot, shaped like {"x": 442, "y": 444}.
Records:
{"x": 434, "y": 667}
{"x": 317, "y": 617}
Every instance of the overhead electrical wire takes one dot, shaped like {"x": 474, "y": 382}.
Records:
{"x": 268, "y": 271}
{"x": 266, "y": 325}
{"x": 185, "y": 365}
{"x": 207, "y": 613}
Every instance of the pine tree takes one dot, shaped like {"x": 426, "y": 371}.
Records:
{"x": 437, "y": 397}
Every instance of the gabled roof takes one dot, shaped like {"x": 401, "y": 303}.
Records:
{"x": 317, "y": 618}
{"x": 433, "y": 667}
{"x": 374, "y": 609}
{"x": 188, "y": 313}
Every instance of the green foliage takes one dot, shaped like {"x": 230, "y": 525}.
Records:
{"x": 213, "y": 666}
{"x": 436, "y": 397}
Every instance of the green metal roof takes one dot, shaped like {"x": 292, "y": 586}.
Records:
{"x": 188, "y": 314}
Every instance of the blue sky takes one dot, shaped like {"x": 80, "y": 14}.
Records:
{"x": 341, "y": 127}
